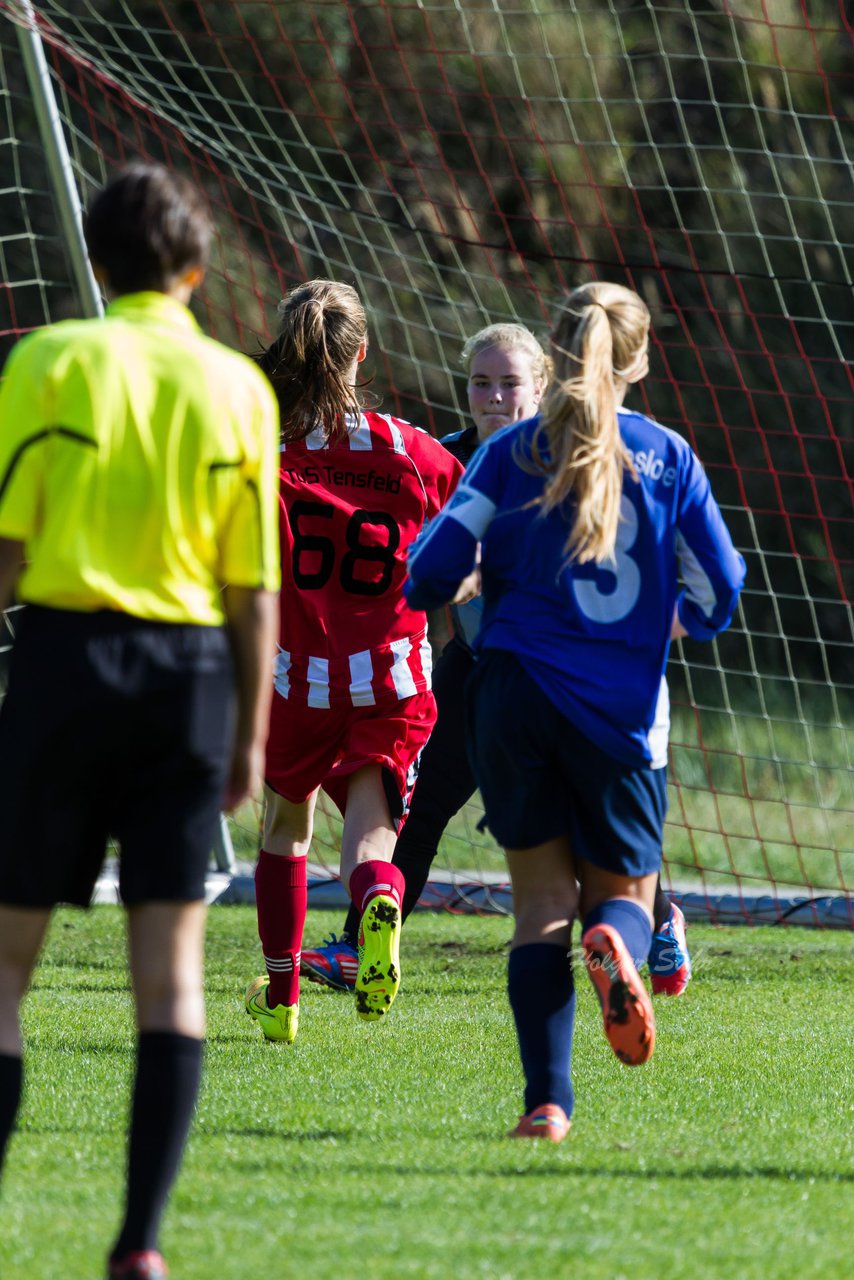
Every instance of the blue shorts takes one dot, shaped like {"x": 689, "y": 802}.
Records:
{"x": 541, "y": 778}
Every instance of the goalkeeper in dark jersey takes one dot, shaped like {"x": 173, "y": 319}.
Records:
{"x": 587, "y": 518}
{"x": 507, "y": 375}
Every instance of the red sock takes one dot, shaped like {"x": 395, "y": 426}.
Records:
{"x": 280, "y": 898}
{"x": 371, "y": 878}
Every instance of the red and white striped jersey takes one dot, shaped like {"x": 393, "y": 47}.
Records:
{"x": 349, "y": 513}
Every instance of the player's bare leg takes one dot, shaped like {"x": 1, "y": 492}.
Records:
{"x": 22, "y": 932}
{"x": 288, "y": 827}
{"x": 166, "y": 947}
{"x": 376, "y": 887}
{"x": 597, "y": 885}
{"x": 369, "y": 833}
{"x": 545, "y": 893}
{"x": 336, "y": 962}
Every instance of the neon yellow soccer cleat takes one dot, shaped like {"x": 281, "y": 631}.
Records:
{"x": 378, "y": 976}
{"x": 279, "y": 1024}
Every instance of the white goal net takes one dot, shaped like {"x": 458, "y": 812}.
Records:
{"x": 463, "y": 163}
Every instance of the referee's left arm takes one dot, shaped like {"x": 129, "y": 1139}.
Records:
{"x": 250, "y": 570}
{"x": 252, "y": 621}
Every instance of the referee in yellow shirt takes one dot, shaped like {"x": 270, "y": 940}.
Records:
{"x": 138, "y": 524}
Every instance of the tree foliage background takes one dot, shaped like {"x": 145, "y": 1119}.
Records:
{"x": 468, "y": 162}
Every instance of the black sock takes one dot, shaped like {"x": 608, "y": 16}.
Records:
{"x": 661, "y": 907}
{"x": 168, "y": 1073}
{"x": 542, "y": 996}
{"x": 415, "y": 863}
{"x": 11, "y": 1082}
{"x": 351, "y": 926}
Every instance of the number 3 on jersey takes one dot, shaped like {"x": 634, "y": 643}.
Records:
{"x": 313, "y": 558}
{"x": 611, "y": 606}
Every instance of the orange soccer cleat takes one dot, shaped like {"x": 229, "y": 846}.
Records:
{"x": 548, "y": 1122}
{"x": 629, "y": 1022}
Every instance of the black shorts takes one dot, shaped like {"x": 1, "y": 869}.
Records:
{"x": 541, "y": 778}
{"x": 111, "y": 726}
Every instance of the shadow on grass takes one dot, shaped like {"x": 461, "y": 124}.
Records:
{"x": 71, "y": 989}
{"x": 32, "y": 1126}
{"x": 314, "y": 1135}
{"x": 711, "y": 1173}
{"x": 72, "y": 1048}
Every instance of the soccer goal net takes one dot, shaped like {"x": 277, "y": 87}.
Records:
{"x": 464, "y": 163}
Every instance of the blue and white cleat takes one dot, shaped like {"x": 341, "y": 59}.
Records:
{"x": 335, "y": 964}
{"x": 669, "y": 959}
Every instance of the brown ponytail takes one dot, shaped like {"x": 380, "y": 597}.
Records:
{"x": 310, "y": 363}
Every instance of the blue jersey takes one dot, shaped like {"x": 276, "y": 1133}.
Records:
{"x": 594, "y": 637}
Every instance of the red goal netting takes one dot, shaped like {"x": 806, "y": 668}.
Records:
{"x": 463, "y": 164}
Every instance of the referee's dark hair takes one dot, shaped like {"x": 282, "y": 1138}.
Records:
{"x": 146, "y": 228}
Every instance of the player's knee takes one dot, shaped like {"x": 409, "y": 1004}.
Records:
{"x": 545, "y": 913}
{"x": 287, "y": 828}
{"x": 169, "y": 1002}
{"x": 285, "y": 842}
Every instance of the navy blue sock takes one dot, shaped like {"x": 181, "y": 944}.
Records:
{"x": 631, "y": 922}
{"x": 542, "y": 996}
{"x": 11, "y": 1080}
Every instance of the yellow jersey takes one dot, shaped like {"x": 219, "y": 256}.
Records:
{"x": 138, "y": 465}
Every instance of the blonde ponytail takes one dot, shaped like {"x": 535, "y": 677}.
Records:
{"x": 598, "y": 341}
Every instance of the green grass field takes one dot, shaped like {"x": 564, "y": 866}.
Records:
{"x": 378, "y": 1149}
